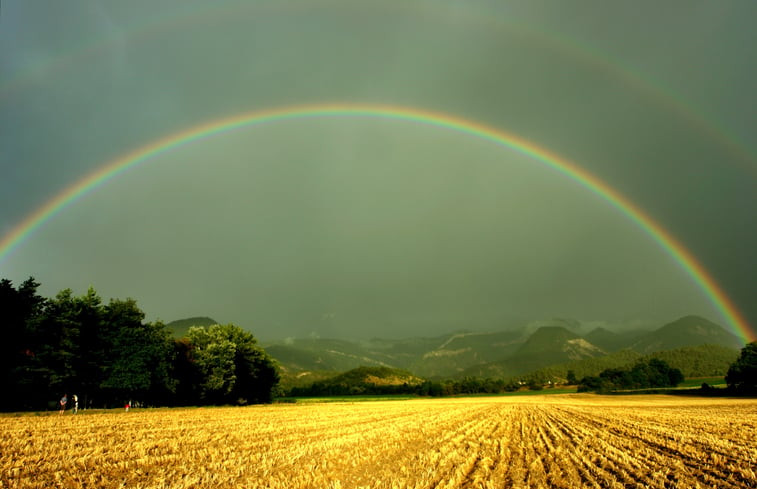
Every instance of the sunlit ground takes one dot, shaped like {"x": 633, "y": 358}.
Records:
{"x": 535, "y": 441}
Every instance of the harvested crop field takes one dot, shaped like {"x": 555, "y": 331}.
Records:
{"x": 564, "y": 441}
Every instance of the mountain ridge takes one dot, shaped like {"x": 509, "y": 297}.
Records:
{"x": 516, "y": 351}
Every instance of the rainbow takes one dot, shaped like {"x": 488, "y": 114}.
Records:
{"x": 499, "y": 137}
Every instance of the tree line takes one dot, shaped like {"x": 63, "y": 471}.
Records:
{"x": 645, "y": 374}
{"x": 107, "y": 354}
{"x": 741, "y": 376}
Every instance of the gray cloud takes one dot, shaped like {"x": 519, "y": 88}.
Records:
{"x": 383, "y": 227}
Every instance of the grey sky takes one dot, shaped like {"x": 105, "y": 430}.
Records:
{"x": 357, "y": 227}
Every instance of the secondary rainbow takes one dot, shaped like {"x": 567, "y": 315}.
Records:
{"x": 146, "y": 29}
{"x": 443, "y": 121}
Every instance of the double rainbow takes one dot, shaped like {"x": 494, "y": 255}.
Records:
{"x": 499, "y": 137}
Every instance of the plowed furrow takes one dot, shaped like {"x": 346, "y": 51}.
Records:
{"x": 657, "y": 457}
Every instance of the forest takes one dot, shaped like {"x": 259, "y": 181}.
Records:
{"x": 107, "y": 355}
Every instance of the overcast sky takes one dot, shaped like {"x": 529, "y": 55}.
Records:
{"x": 360, "y": 227}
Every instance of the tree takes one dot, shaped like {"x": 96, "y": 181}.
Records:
{"x": 20, "y": 368}
{"x": 571, "y": 380}
{"x": 232, "y": 366}
{"x": 92, "y": 348}
{"x": 59, "y": 326}
{"x": 185, "y": 374}
{"x": 142, "y": 353}
{"x": 73, "y": 350}
{"x": 742, "y": 374}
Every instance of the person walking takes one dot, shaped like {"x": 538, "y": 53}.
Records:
{"x": 62, "y": 404}
{"x": 75, "y": 398}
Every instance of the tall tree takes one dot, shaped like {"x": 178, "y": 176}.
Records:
{"x": 59, "y": 326}
{"x": 742, "y": 374}
{"x": 19, "y": 363}
{"x": 92, "y": 348}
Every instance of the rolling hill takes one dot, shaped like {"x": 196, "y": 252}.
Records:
{"x": 530, "y": 347}
{"x": 362, "y": 380}
{"x": 180, "y": 327}
{"x": 548, "y": 345}
{"x": 686, "y": 331}
{"x": 611, "y": 341}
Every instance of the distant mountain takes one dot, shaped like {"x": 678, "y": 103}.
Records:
{"x": 441, "y": 356}
{"x": 529, "y": 347}
{"x": 405, "y": 352}
{"x": 461, "y": 351}
{"x": 571, "y": 325}
{"x": 548, "y": 345}
{"x": 325, "y": 355}
{"x": 686, "y": 331}
{"x": 180, "y": 327}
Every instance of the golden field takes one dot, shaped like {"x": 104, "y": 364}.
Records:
{"x": 567, "y": 441}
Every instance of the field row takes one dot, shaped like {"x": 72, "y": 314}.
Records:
{"x": 555, "y": 441}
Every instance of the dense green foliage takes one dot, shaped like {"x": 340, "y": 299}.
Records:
{"x": 644, "y": 374}
{"x": 742, "y": 374}
{"x": 232, "y": 365}
{"x": 698, "y": 361}
{"x": 107, "y": 354}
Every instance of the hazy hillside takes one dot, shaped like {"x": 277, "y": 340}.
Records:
{"x": 441, "y": 356}
{"x": 587, "y": 366}
{"x": 692, "y": 361}
{"x": 571, "y": 325}
{"x": 686, "y": 331}
{"x": 180, "y": 327}
{"x": 700, "y": 360}
{"x": 361, "y": 380}
{"x": 325, "y": 355}
{"x": 405, "y": 352}
{"x": 463, "y": 350}
{"x": 611, "y": 340}
{"x": 550, "y": 346}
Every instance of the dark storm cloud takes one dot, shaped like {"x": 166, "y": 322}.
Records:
{"x": 346, "y": 227}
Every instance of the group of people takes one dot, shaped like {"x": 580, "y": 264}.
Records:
{"x": 75, "y": 407}
{"x": 64, "y": 401}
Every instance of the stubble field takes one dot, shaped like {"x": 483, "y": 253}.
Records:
{"x": 567, "y": 441}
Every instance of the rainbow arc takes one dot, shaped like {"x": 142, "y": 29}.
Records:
{"x": 592, "y": 183}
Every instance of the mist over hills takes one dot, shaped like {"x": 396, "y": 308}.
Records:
{"x": 517, "y": 351}
{"x": 682, "y": 332}
{"x": 547, "y": 346}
